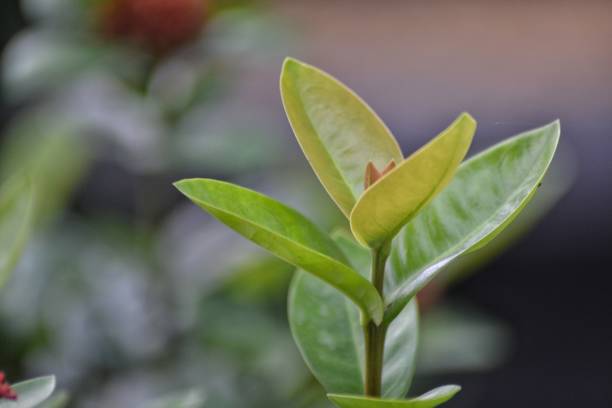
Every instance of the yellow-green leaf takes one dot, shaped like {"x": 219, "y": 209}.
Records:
{"x": 338, "y": 132}
{"x": 396, "y": 198}
{"x": 287, "y": 234}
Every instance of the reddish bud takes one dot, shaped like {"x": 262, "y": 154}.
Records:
{"x": 6, "y": 392}
{"x": 159, "y": 26}
{"x": 372, "y": 174}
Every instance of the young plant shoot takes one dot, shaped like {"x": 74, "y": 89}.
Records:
{"x": 352, "y": 306}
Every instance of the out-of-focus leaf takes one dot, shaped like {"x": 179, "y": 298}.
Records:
{"x": 42, "y": 60}
{"x": 259, "y": 279}
{"x": 256, "y": 343}
{"x": 487, "y": 193}
{"x": 395, "y": 199}
{"x": 50, "y": 154}
{"x": 460, "y": 339}
{"x": 16, "y": 217}
{"x": 221, "y": 150}
{"x": 73, "y": 13}
{"x": 329, "y": 334}
{"x": 430, "y": 399}
{"x": 284, "y": 232}
{"x": 30, "y": 393}
{"x": 241, "y": 27}
{"x": 58, "y": 400}
{"x": 186, "y": 399}
{"x": 337, "y": 131}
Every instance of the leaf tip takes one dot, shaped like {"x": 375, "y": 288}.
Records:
{"x": 556, "y": 127}
{"x": 51, "y": 380}
{"x": 187, "y": 186}
{"x": 468, "y": 120}
{"x": 181, "y": 184}
{"x": 551, "y": 133}
{"x": 453, "y": 388}
{"x": 289, "y": 61}
{"x": 290, "y": 64}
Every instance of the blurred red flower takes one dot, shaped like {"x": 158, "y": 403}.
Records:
{"x": 6, "y": 391}
{"x": 159, "y": 26}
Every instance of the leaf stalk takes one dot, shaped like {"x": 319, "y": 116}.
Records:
{"x": 374, "y": 335}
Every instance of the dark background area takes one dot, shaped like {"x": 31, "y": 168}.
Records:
{"x": 552, "y": 288}
{"x": 10, "y": 23}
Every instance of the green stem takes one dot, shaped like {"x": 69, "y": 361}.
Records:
{"x": 374, "y": 335}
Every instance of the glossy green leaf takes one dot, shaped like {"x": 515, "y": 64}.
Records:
{"x": 430, "y": 399}
{"x": 557, "y": 182}
{"x": 337, "y": 131}
{"x": 16, "y": 218}
{"x": 30, "y": 393}
{"x": 487, "y": 192}
{"x": 286, "y": 233}
{"x": 395, "y": 199}
{"x": 328, "y": 332}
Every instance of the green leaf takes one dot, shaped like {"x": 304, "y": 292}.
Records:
{"x": 31, "y": 393}
{"x": 16, "y": 218}
{"x": 337, "y": 131}
{"x": 395, "y": 199}
{"x": 558, "y": 180}
{"x": 286, "y": 233}
{"x": 487, "y": 193}
{"x": 328, "y": 332}
{"x": 430, "y": 399}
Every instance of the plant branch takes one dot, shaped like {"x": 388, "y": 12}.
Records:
{"x": 374, "y": 335}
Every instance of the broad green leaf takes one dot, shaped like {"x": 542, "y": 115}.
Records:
{"x": 30, "y": 393}
{"x": 488, "y": 191}
{"x": 16, "y": 217}
{"x": 286, "y": 233}
{"x": 430, "y": 399}
{"x": 328, "y": 332}
{"x": 558, "y": 181}
{"x": 395, "y": 199}
{"x": 337, "y": 131}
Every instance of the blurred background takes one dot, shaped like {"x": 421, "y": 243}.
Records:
{"x": 131, "y": 295}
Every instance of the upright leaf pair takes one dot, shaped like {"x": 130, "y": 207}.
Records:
{"x": 340, "y": 135}
{"x": 425, "y": 211}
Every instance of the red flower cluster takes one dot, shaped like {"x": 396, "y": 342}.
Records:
{"x": 6, "y": 391}
{"x": 156, "y": 25}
